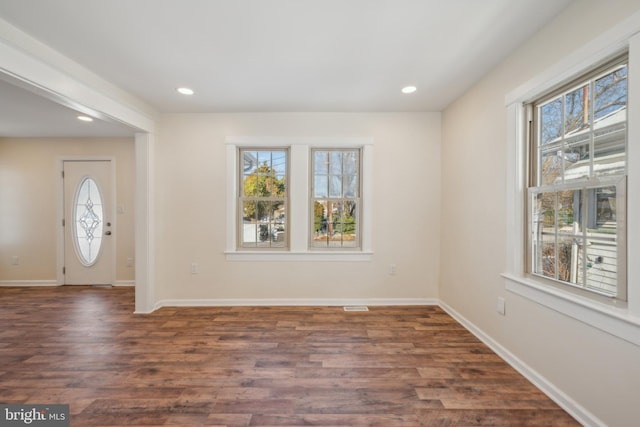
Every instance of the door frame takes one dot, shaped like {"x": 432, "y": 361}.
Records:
{"x": 60, "y": 235}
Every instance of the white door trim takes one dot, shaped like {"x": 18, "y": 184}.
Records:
{"x": 60, "y": 259}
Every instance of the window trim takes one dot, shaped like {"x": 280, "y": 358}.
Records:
{"x": 299, "y": 191}
{"x": 617, "y": 318}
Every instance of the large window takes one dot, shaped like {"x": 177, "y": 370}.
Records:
{"x": 263, "y": 198}
{"x": 335, "y": 198}
{"x": 577, "y": 183}
{"x": 299, "y": 199}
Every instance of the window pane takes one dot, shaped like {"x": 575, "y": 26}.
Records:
{"x": 249, "y": 185}
{"x": 543, "y": 233}
{"x": 569, "y": 203}
{"x": 265, "y": 211}
{"x": 88, "y": 221}
{"x": 545, "y": 255}
{"x": 278, "y": 228}
{"x": 350, "y": 162}
{"x": 576, "y": 110}
{"x": 250, "y": 210}
{"x": 351, "y": 186}
{"x": 335, "y": 164}
{"x": 550, "y": 121}
{"x": 347, "y": 225}
{"x": 249, "y": 162}
{"x": 566, "y": 263}
{"x": 603, "y": 215}
{"x": 335, "y": 186}
{"x": 550, "y": 166}
{"x": 610, "y": 147}
{"x": 279, "y": 162}
{"x": 321, "y": 186}
{"x": 544, "y": 211}
{"x": 602, "y": 265}
{"x": 320, "y": 162}
{"x": 264, "y": 158}
{"x": 321, "y": 224}
{"x": 611, "y": 93}
{"x": 577, "y": 159}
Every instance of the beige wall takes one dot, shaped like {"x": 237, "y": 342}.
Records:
{"x": 190, "y": 209}
{"x": 600, "y": 372}
{"x": 29, "y": 194}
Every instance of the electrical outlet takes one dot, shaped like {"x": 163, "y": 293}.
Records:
{"x": 194, "y": 268}
{"x": 500, "y": 308}
{"x": 130, "y": 262}
{"x": 15, "y": 260}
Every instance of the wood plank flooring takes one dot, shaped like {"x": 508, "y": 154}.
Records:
{"x": 254, "y": 366}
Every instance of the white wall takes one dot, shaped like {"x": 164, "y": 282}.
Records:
{"x": 596, "y": 370}
{"x": 29, "y": 194}
{"x": 190, "y": 210}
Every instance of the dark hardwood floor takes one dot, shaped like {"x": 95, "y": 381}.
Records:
{"x": 254, "y": 366}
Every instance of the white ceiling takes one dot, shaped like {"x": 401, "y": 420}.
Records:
{"x": 278, "y": 55}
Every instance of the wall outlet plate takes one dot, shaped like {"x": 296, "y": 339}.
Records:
{"x": 500, "y": 308}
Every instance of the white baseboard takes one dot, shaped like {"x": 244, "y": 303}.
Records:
{"x": 14, "y": 283}
{"x": 581, "y": 414}
{"x": 241, "y": 302}
{"x": 124, "y": 283}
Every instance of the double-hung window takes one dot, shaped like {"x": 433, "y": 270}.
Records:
{"x": 335, "y": 198}
{"x": 263, "y": 198}
{"x": 576, "y": 198}
{"x": 299, "y": 199}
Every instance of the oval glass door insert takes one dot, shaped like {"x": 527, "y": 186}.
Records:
{"x": 88, "y": 221}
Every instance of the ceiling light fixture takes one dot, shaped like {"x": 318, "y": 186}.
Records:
{"x": 185, "y": 90}
{"x": 409, "y": 89}
{"x": 85, "y": 118}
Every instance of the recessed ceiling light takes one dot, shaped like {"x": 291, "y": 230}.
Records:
{"x": 185, "y": 90}
{"x": 85, "y": 118}
{"x": 409, "y": 89}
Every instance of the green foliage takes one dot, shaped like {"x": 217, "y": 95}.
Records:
{"x": 318, "y": 216}
{"x": 346, "y": 224}
{"x": 263, "y": 182}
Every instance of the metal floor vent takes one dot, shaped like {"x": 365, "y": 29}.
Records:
{"x": 356, "y": 308}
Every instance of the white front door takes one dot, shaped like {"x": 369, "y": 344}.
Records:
{"x": 88, "y": 223}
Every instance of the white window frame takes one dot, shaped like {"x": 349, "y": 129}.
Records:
{"x": 619, "y": 318}
{"x": 299, "y": 194}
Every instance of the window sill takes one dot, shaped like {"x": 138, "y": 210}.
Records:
{"x": 614, "y": 320}
{"x": 338, "y": 256}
